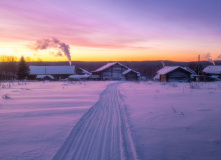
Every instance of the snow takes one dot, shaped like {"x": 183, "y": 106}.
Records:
{"x": 102, "y": 133}
{"x": 38, "y": 116}
{"x": 35, "y": 70}
{"x": 43, "y": 76}
{"x": 127, "y": 71}
{"x": 84, "y": 71}
{"x": 110, "y": 120}
{"x": 173, "y": 121}
{"x": 109, "y": 65}
{"x": 168, "y": 69}
{"x": 213, "y": 69}
{"x": 79, "y": 76}
{"x": 157, "y": 77}
{"x": 105, "y": 66}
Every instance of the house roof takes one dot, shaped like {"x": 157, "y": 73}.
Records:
{"x": 129, "y": 70}
{"x": 51, "y": 70}
{"x": 109, "y": 65}
{"x": 43, "y": 76}
{"x": 84, "y": 71}
{"x": 212, "y": 69}
{"x": 168, "y": 69}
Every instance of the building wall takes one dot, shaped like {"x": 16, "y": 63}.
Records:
{"x": 131, "y": 76}
{"x": 163, "y": 78}
{"x": 178, "y": 76}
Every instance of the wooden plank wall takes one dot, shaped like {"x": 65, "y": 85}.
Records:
{"x": 163, "y": 78}
{"x": 131, "y": 76}
{"x": 178, "y": 76}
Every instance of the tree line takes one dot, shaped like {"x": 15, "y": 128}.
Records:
{"x": 10, "y": 69}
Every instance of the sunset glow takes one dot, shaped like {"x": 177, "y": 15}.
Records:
{"x": 121, "y": 30}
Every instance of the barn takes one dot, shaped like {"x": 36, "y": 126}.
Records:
{"x": 213, "y": 73}
{"x": 47, "y": 72}
{"x": 115, "y": 71}
{"x": 174, "y": 74}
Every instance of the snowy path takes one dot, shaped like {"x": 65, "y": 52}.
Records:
{"x": 102, "y": 133}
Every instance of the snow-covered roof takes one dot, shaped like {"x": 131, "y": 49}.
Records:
{"x": 78, "y": 76}
{"x": 214, "y": 76}
{"x": 190, "y": 70}
{"x": 157, "y": 77}
{"x": 51, "y": 70}
{"x": 168, "y": 69}
{"x": 129, "y": 70}
{"x": 109, "y": 65}
{"x": 84, "y": 71}
{"x": 212, "y": 69}
{"x": 43, "y": 76}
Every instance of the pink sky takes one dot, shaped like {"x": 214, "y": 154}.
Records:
{"x": 116, "y": 30}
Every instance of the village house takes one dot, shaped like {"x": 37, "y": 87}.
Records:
{"x": 51, "y": 72}
{"x": 174, "y": 74}
{"x": 213, "y": 73}
{"x": 115, "y": 71}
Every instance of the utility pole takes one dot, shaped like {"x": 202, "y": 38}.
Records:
{"x": 198, "y": 67}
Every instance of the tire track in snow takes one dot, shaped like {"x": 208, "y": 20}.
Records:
{"x": 102, "y": 132}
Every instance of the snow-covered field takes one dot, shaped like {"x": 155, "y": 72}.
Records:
{"x": 110, "y": 120}
{"x": 171, "y": 121}
{"x": 37, "y": 117}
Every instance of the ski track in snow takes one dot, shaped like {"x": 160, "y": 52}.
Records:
{"x": 102, "y": 132}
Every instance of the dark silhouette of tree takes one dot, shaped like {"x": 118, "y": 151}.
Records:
{"x": 23, "y": 69}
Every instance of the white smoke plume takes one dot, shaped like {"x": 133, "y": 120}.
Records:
{"x": 54, "y": 43}
{"x": 219, "y": 57}
{"x": 208, "y": 58}
{"x": 163, "y": 64}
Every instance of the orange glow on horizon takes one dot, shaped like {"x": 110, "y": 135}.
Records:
{"x": 105, "y": 54}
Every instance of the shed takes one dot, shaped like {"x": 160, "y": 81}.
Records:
{"x": 115, "y": 71}
{"x": 174, "y": 74}
{"x": 58, "y": 72}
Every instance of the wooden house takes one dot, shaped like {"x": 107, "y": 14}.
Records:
{"x": 115, "y": 71}
{"x": 213, "y": 73}
{"x": 58, "y": 72}
{"x": 174, "y": 74}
